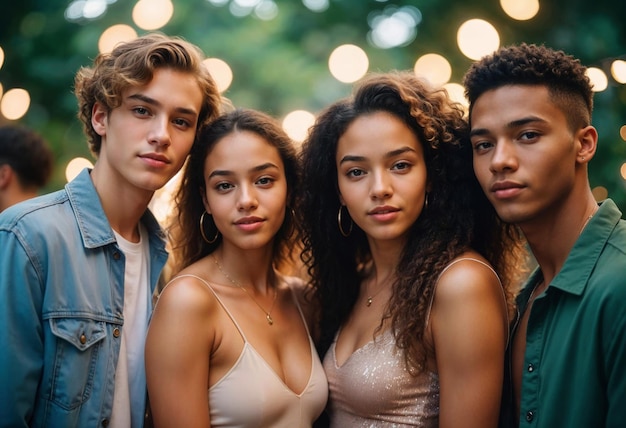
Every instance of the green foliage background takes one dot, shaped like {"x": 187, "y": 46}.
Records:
{"x": 281, "y": 65}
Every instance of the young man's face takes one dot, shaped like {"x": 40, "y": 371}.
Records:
{"x": 524, "y": 152}
{"x": 145, "y": 140}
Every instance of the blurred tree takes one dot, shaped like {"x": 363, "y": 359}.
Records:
{"x": 280, "y": 64}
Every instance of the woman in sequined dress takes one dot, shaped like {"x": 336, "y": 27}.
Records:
{"x": 412, "y": 271}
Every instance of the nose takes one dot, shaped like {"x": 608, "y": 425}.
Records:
{"x": 504, "y": 157}
{"x": 160, "y": 132}
{"x": 247, "y": 198}
{"x": 381, "y": 185}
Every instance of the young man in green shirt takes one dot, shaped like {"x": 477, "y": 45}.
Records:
{"x": 532, "y": 139}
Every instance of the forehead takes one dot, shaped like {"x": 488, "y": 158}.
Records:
{"x": 507, "y": 104}
{"x": 377, "y": 132}
{"x": 242, "y": 150}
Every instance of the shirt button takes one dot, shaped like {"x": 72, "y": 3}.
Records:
{"x": 116, "y": 332}
{"x": 530, "y": 415}
{"x": 531, "y": 368}
{"x": 105, "y": 422}
{"x": 83, "y": 339}
{"x": 116, "y": 255}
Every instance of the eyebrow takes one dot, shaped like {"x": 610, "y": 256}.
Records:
{"x": 258, "y": 168}
{"x": 152, "y": 101}
{"x": 391, "y": 154}
{"x": 511, "y": 125}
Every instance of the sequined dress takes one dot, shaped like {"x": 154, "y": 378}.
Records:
{"x": 373, "y": 388}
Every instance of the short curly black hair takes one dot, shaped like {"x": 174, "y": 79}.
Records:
{"x": 536, "y": 65}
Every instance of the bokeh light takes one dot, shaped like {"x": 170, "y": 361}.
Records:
{"x": 622, "y": 132}
{"x": 623, "y": 171}
{"x": 618, "y": 70}
{"x": 15, "y": 103}
{"x": 598, "y": 78}
{"x": 348, "y": 63}
{"x": 297, "y": 123}
{"x": 394, "y": 26}
{"x": 152, "y": 14}
{"x": 75, "y": 166}
{"x": 600, "y": 193}
{"x": 78, "y": 10}
{"x": 434, "y": 68}
{"x": 114, "y": 35}
{"x": 457, "y": 93}
{"x": 520, "y": 10}
{"x": 221, "y": 73}
{"x": 477, "y": 38}
{"x": 1, "y": 57}
{"x": 316, "y": 5}
{"x": 266, "y": 10}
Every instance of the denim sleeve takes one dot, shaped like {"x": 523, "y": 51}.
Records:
{"x": 21, "y": 337}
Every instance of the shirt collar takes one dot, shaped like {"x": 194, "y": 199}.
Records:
{"x": 92, "y": 222}
{"x": 583, "y": 257}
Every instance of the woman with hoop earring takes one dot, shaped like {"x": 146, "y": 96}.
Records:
{"x": 229, "y": 325}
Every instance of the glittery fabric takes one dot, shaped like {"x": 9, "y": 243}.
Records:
{"x": 373, "y": 388}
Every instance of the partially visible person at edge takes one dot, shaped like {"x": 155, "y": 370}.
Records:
{"x": 26, "y": 163}
{"x": 79, "y": 265}
{"x": 530, "y": 116}
{"x": 412, "y": 271}
{"x": 229, "y": 345}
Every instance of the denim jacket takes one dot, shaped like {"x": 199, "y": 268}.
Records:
{"x": 61, "y": 301}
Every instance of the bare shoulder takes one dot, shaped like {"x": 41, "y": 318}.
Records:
{"x": 186, "y": 292}
{"x": 468, "y": 275}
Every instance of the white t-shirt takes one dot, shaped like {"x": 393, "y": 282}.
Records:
{"x": 129, "y": 399}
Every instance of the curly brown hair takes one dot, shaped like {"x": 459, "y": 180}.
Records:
{"x": 133, "y": 64}
{"x": 189, "y": 244}
{"x": 458, "y": 217}
{"x": 565, "y": 77}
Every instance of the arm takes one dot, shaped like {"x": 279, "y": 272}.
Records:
{"x": 21, "y": 337}
{"x": 469, "y": 329}
{"x": 178, "y": 351}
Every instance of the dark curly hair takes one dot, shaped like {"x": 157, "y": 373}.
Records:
{"x": 28, "y": 154}
{"x": 458, "y": 216}
{"x": 189, "y": 244}
{"x": 528, "y": 64}
{"x": 133, "y": 64}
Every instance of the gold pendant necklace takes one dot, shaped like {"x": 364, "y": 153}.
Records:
{"x": 268, "y": 314}
{"x": 370, "y": 297}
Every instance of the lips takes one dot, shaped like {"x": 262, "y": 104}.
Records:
{"x": 383, "y": 210}
{"x": 155, "y": 157}
{"x": 248, "y": 220}
{"x": 506, "y": 189}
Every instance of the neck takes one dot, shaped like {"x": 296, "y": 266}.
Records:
{"x": 552, "y": 237}
{"x": 123, "y": 206}
{"x": 251, "y": 269}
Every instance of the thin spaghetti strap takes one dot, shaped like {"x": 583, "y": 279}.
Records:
{"x": 208, "y": 285}
{"x": 295, "y": 299}
{"x": 432, "y": 297}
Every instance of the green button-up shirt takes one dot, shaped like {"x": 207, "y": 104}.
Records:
{"x": 574, "y": 372}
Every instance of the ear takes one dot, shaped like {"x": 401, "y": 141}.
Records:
{"x": 99, "y": 117}
{"x": 587, "y": 139}
{"x": 341, "y": 201}
{"x": 6, "y": 173}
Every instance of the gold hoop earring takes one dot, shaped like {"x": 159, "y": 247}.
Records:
{"x": 341, "y": 226}
{"x": 217, "y": 232}
{"x": 426, "y": 201}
